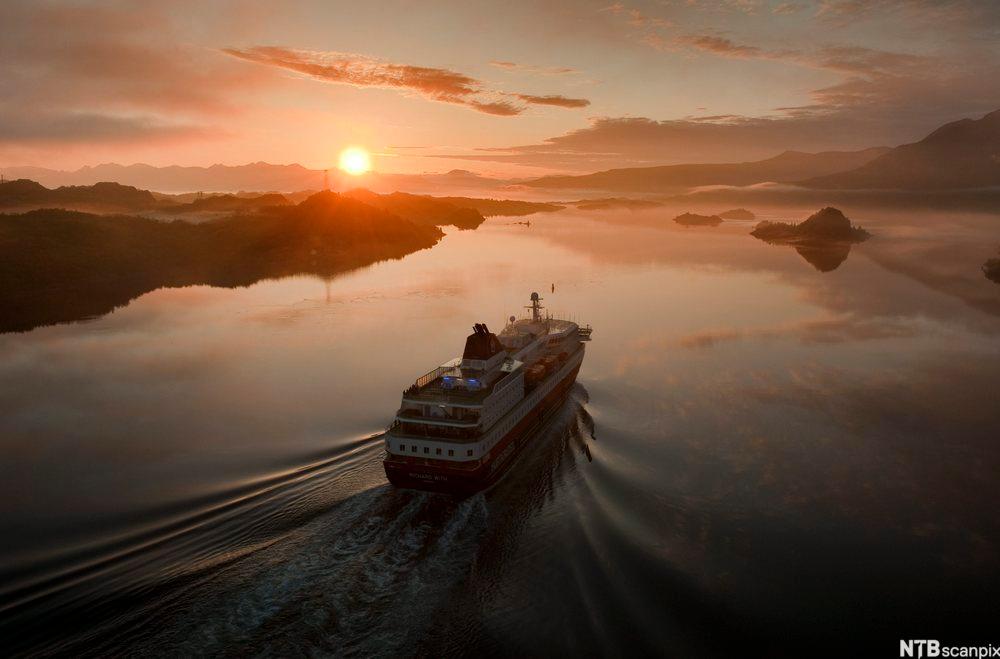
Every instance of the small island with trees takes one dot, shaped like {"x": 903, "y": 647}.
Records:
{"x": 826, "y": 225}
{"x": 695, "y": 220}
{"x": 992, "y": 269}
{"x": 824, "y": 239}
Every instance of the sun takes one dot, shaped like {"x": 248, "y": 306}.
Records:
{"x": 355, "y": 161}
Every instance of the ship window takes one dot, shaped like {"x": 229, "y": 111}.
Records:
{"x": 413, "y": 448}
{"x": 402, "y": 447}
{"x": 437, "y": 451}
{"x": 451, "y": 452}
{"x": 469, "y": 452}
{"x": 427, "y": 449}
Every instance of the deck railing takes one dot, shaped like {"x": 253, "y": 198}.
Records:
{"x": 431, "y": 376}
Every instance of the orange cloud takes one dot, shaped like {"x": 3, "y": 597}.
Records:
{"x": 85, "y": 127}
{"x": 873, "y": 80}
{"x": 531, "y": 68}
{"x": 436, "y": 84}
{"x": 636, "y": 18}
{"x": 86, "y": 73}
{"x": 499, "y": 108}
{"x": 720, "y": 46}
{"x": 558, "y": 101}
{"x": 639, "y": 141}
{"x": 362, "y": 71}
{"x": 955, "y": 16}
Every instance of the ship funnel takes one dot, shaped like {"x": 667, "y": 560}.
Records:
{"x": 481, "y": 344}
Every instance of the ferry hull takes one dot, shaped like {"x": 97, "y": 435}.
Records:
{"x": 440, "y": 476}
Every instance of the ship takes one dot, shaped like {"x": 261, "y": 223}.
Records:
{"x": 461, "y": 426}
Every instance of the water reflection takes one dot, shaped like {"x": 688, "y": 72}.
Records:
{"x": 776, "y": 444}
{"x": 824, "y": 258}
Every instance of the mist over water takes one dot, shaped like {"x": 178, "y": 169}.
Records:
{"x": 766, "y": 451}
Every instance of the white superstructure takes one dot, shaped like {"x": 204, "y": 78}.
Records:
{"x": 460, "y": 411}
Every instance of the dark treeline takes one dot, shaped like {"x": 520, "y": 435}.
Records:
{"x": 58, "y": 265}
{"x": 23, "y": 195}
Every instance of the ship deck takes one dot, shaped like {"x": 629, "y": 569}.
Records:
{"x": 435, "y": 391}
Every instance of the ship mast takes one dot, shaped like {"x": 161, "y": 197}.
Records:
{"x": 536, "y": 307}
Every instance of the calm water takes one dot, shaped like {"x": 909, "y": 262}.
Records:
{"x": 759, "y": 456}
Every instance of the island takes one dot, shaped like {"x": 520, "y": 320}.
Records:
{"x": 420, "y": 209}
{"x": 504, "y": 207}
{"x": 992, "y": 270}
{"x": 23, "y": 195}
{"x": 62, "y": 265}
{"x": 695, "y": 220}
{"x": 737, "y": 214}
{"x": 828, "y": 224}
{"x": 824, "y": 239}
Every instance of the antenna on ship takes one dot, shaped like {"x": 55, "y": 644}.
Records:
{"x": 326, "y": 179}
{"x": 536, "y": 307}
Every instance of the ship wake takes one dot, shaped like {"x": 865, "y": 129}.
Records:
{"x": 320, "y": 558}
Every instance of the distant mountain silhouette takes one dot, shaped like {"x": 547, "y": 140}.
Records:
{"x": 254, "y": 176}
{"x": 259, "y": 176}
{"x": 786, "y": 167}
{"x": 824, "y": 239}
{"x": 100, "y": 197}
{"x": 58, "y": 266}
{"x": 964, "y": 154}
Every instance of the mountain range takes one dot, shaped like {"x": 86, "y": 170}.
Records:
{"x": 785, "y": 167}
{"x": 217, "y": 178}
{"x": 962, "y": 155}
{"x": 257, "y": 176}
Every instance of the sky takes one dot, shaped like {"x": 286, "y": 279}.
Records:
{"x": 504, "y": 89}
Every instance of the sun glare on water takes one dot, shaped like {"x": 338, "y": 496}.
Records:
{"x": 355, "y": 160}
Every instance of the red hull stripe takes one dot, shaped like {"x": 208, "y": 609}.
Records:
{"x": 440, "y": 477}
